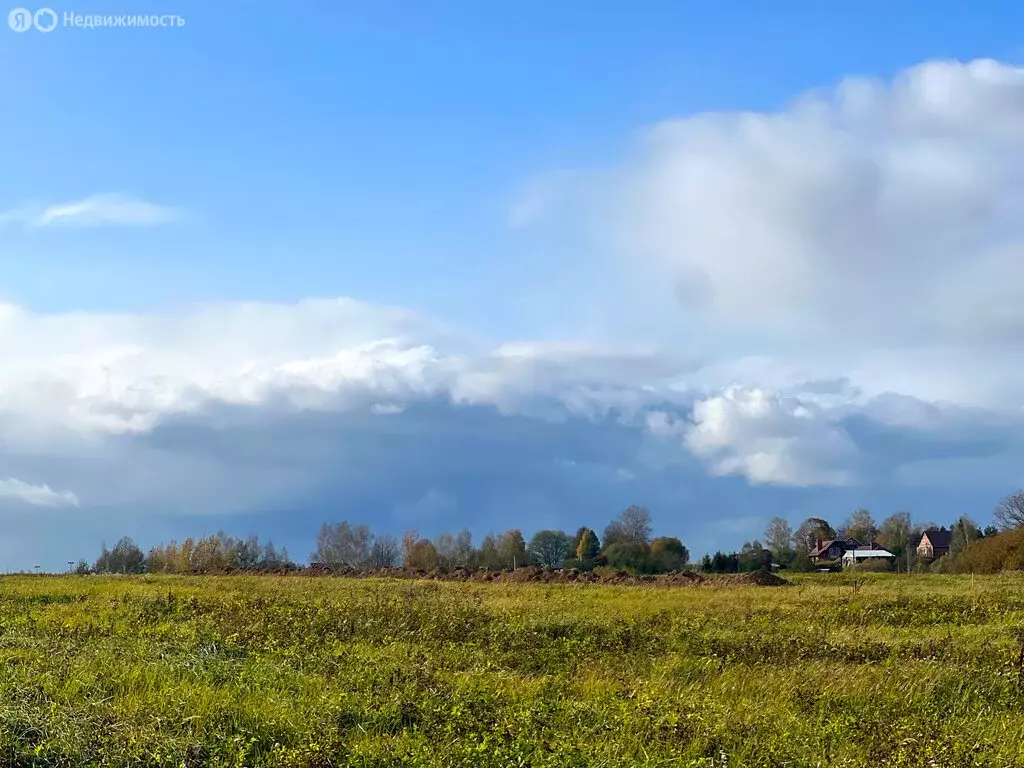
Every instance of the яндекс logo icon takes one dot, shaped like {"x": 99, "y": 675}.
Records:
{"x": 22, "y": 19}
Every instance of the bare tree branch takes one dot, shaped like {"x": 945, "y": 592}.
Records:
{"x": 1009, "y": 513}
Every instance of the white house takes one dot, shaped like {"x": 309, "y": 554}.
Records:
{"x": 854, "y": 556}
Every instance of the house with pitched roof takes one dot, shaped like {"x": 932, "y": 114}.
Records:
{"x": 863, "y": 554}
{"x": 829, "y": 550}
{"x": 934, "y": 543}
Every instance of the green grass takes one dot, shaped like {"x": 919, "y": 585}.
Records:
{"x": 298, "y": 671}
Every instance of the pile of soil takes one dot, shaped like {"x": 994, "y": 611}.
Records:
{"x": 684, "y": 578}
{"x": 755, "y": 578}
{"x": 527, "y": 574}
{"x": 618, "y": 578}
{"x": 574, "y": 576}
{"x": 532, "y": 574}
{"x": 535, "y": 574}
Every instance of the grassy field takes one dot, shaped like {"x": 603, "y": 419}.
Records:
{"x": 298, "y": 671}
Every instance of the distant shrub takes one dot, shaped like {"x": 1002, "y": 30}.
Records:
{"x": 878, "y": 565}
{"x": 669, "y": 553}
{"x": 801, "y": 563}
{"x": 422, "y": 555}
{"x": 1002, "y": 552}
{"x": 948, "y": 564}
{"x": 587, "y": 545}
{"x": 631, "y": 555}
{"x": 723, "y": 563}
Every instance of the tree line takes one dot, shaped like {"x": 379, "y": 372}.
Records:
{"x": 210, "y": 554}
{"x": 626, "y": 543}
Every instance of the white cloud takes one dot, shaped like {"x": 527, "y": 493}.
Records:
{"x": 581, "y": 379}
{"x": 94, "y": 211}
{"x": 36, "y": 495}
{"x": 387, "y": 409}
{"x": 876, "y": 214}
{"x": 770, "y": 438}
{"x": 95, "y": 377}
{"x": 125, "y": 373}
{"x": 96, "y": 374}
{"x": 663, "y": 424}
{"x": 539, "y": 197}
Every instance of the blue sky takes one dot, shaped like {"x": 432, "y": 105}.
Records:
{"x": 488, "y": 174}
{"x": 301, "y": 142}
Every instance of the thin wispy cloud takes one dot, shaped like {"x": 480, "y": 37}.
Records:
{"x": 540, "y": 198}
{"x": 94, "y": 211}
{"x": 36, "y": 495}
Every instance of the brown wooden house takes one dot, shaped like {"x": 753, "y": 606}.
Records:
{"x": 828, "y": 550}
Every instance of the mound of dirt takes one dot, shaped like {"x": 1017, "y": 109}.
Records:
{"x": 322, "y": 569}
{"x": 681, "y": 579}
{"x": 617, "y": 577}
{"x": 755, "y": 578}
{"x": 529, "y": 574}
{"x": 574, "y": 576}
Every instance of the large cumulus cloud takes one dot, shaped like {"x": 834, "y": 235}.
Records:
{"x": 880, "y": 211}
{"x": 869, "y": 233}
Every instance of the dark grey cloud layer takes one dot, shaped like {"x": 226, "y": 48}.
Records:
{"x": 439, "y": 465}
